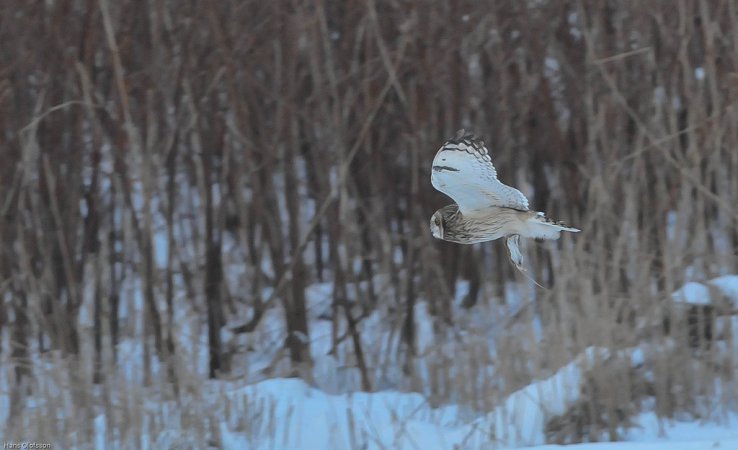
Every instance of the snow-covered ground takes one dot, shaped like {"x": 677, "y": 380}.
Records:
{"x": 286, "y": 413}
{"x": 721, "y": 289}
{"x": 297, "y": 416}
{"x": 289, "y": 414}
{"x": 309, "y": 419}
{"x": 254, "y": 411}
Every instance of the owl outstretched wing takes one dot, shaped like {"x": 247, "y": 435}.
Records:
{"x": 463, "y": 170}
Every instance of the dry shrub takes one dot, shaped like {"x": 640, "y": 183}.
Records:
{"x": 179, "y": 171}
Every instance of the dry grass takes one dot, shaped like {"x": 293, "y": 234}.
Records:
{"x": 173, "y": 171}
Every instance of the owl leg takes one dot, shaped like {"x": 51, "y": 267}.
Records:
{"x": 515, "y": 256}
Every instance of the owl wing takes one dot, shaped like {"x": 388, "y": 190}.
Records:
{"x": 463, "y": 170}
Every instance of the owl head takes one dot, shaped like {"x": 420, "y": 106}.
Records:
{"x": 436, "y": 225}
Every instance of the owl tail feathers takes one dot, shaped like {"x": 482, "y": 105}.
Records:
{"x": 541, "y": 227}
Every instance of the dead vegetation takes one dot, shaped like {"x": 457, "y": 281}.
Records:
{"x": 173, "y": 163}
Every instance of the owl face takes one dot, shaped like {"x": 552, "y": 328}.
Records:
{"x": 436, "y": 225}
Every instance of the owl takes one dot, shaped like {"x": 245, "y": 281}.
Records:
{"x": 485, "y": 208}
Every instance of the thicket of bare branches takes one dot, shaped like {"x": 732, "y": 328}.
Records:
{"x": 221, "y": 157}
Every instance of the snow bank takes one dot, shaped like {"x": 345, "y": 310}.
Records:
{"x": 697, "y": 293}
{"x": 297, "y": 416}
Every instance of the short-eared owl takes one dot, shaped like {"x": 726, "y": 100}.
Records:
{"x": 485, "y": 208}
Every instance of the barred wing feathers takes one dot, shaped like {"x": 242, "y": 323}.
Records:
{"x": 463, "y": 170}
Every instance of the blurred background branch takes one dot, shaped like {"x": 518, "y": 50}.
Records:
{"x": 241, "y": 189}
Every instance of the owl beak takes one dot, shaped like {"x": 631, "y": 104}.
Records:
{"x": 436, "y": 228}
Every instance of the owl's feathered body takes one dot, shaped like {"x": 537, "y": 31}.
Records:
{"x": 495, "y": 223}
{"x": 485, "y": 209}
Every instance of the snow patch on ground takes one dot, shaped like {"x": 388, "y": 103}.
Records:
{"x": 698, "y": 293}
{"x": 307, "y": 418}
{"x": 284, "y": 413}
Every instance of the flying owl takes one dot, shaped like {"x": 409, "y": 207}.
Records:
{"x": 485, "y": 208}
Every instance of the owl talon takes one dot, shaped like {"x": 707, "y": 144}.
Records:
{"x": 514, "y": 251}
